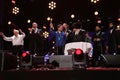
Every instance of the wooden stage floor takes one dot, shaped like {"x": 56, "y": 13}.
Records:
{"x": 90, "y": 73}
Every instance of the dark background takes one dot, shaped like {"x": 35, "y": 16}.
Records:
{"x": 37, "y": 10}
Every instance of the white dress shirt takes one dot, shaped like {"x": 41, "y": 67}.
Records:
{"x": 19, "y": 40}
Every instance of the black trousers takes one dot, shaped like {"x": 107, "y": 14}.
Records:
{"x": 17, "y": 50}
{"x": 60, "y": 50}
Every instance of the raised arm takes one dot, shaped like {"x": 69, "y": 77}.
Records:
{"x": 5, "y": 38}
{"x": 22, "y": 33}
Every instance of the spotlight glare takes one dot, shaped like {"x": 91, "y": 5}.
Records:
{"x": 48, "y": 18}
{"x": 118, "y": 19}
{"x": 9, "y": 22}
{"x": 53, "y": 47}
{"x": 96, "y": 13}
{"x": 52, "y": 5}
{"x": 91, "y": 0}
{"x": 72, "y": 16}
{"x": 46, "y": 34}
{"x": 53, "y": 42}
{"x": 28, "y": 21}
{"x": 94, "y": 1}
{"x": 118, "y": 27}
{"x": 44, "y": 27}
{"x": 15, "y": 10}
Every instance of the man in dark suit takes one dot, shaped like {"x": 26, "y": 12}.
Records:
{"x": 98, "y": 40}
{"x": 111, "y": 43}
{"x": 118, "y": 39}
{"x": 36, "y": 40}
{"x": 78, "y": 34}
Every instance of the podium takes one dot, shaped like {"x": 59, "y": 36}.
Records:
{"x": 85, "y": 46}
{"x": 87, "y": 52}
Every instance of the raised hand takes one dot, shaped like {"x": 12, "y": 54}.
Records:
{"x": 51, "y": 25}
{"x": 2, "y": 34}
{"x": 21, "y": 31}
{"x": 29, "y": 29}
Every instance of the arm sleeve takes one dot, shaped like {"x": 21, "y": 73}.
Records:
{"x": 7, "y": 38}
{"x": 23, "y": 35}
{"x": 52, "y": 34}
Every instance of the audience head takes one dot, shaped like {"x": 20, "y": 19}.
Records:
{"x": 60, "y": 27}
{"x": 34, "y": 25}
{"x": 65, "y": 26}
{"x": 76, "y": 26}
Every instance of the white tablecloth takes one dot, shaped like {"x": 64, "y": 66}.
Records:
{"x": 81, "y": 45}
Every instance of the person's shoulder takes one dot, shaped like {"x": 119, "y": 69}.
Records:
{"x": 39, "y": 29}
{"x": 102, "y": 32}
{"x": 82, "y": 29}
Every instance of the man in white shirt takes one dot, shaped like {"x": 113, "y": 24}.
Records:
{"x": 17, "y": 41}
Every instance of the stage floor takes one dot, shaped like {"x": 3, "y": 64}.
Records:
{"x": 91, "y": 73}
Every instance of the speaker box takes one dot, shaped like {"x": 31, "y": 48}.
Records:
{"x": 64, "y": 61}
{"x": 111, "y": 60}
{"x": 38, "y": 60}
{"x": 7, "y": 61}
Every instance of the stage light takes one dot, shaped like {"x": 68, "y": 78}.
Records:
{"x": 48, "y": 18}
{"x": 15, "y": 10}
{"x": 119, "y": 19}
{"x": 79, "y": 59}
{"x": 9, "y": 22}
{"x": 26, "y": 56}
{"x": 96, "y": 13}
{"x": 118, "y": 27}
{"x": 94, "y": 1}
{"x": 28, "y": 21}
{"x": 46, "y": 34}
{"x": 52, "y": 5}
{"x": 72, "y": 16}
{"x": 26, "y": 60}
{"x": 53, "y": 42}
{"x": 78, "y": 55}
{"x": 53, "y": 47}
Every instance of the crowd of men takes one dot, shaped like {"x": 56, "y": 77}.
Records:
{"x": 103, "y": 42}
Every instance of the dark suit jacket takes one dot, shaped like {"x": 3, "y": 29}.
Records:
{"x": 36, "y": 42}
{"x": 81, "y": 37}
{"x": 112, "y": 47}
{"x": 98, "y": 46}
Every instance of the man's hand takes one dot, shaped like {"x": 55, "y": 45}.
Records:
{"x": 20, "y": 31}
{"x": 2, "y": 34}
{"x": 119, "y": 46}
{"x": 51, "y": 25}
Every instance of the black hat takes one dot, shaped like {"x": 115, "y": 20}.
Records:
{"x": 77, "y": 25}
